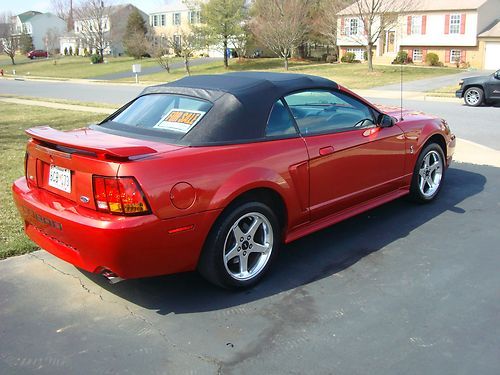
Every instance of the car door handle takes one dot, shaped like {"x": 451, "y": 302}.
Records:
{"x": 326, "y": 150}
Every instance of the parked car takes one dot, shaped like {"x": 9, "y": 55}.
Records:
{"x": 479, "y": 90}
{"x": 215, "y": 172}
{"x": 36, "y": 54}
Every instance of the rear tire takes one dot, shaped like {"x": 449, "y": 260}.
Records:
{"x": 474, "y": 96}
{"x": 241, "y": 246}
{"x": 428, "y": 174}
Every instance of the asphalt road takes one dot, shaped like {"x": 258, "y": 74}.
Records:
{"x": 480, "y": 125}
{"x": 402, "y": 289}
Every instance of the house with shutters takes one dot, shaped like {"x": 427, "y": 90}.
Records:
{"x": 452, "y": 29}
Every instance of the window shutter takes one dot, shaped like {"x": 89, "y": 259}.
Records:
{"x": 408, "y": 26}
{"x": 447, "y": 24}
{"x": 447, "y": 56}
{"x": 342, "y": 26}
{"x": 344, "y": 51}
{"x": 410, "y": 54}
{"x": 424, "y": 24}
{"x": 462, "y": 23}
{"x": 463, "y": 55}
{"x": 424, "y": 54}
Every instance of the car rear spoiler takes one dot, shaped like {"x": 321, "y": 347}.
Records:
{"x": 92, "y": 141}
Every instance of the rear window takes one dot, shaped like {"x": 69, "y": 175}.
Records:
{"x": 167, "y": 115}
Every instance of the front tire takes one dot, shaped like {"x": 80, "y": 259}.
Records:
{"x": 428, "y": 174}
{"x": 474, "y": 96}
{"x": 241, "y": 246}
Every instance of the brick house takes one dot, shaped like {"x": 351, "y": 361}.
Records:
{"x": 450, "y": 28}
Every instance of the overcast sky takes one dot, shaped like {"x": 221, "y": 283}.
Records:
{"x": 17, "y": 7}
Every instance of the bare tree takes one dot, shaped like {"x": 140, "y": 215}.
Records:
{"x": 9, "y": 43}
{"x": 281, "y": 24}
{"x": 159, "y": 47}
{"x": 189, "y": 42}
{"x": 63, "y": 9}
{"x": 51, "y": 40}
{"x": 93, "y": 24}
{"x": 376, "y": 16}
{"x": 325, "y": 21}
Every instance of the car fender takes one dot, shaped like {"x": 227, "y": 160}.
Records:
{"x": 417, "y": 136}
{"x": 246, "y": 180}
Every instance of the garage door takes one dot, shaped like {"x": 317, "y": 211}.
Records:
{"x": 492, "y": 56}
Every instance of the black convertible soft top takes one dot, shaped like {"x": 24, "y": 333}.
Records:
{"x": 241, "y": 101}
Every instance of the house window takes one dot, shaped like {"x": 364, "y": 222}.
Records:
{"x": 455, "y": 24}
{"x": 416, "y": 25}
{"x": 417, "y": 55}
{"x": 359, "y": 53}
{"x": 352, "y": 26}
{"x": 155, "y": 20}
{"x": 194, "y": 17}
{"x": 163, "y": 20}
{"x": 176, "y": 18}
{"x": 177, "y": 41}
{"x": 455, "y": 55}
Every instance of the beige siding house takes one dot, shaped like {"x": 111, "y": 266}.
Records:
{"x": 453, "y": 29}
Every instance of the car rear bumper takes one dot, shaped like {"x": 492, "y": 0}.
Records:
{"x": 130, "y": 247}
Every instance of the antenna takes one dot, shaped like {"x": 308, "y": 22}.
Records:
{"x": 401, "y": 89}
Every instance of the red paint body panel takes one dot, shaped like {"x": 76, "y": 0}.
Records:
{"x": 321, "y": 180}
{"x": 129, "y": 246}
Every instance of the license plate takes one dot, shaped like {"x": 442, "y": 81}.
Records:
{"x": 60, "y": 178}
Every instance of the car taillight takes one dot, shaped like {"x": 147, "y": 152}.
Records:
{"x": 119, "y": 195}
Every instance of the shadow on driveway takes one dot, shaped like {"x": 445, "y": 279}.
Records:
{"x": 306, "y": 260}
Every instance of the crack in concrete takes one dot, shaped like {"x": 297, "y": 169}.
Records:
{"x": 134, "y": 315}
{"x": 84, "y": 287}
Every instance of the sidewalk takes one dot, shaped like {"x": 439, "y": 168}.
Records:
{"x": 71, "y": 107}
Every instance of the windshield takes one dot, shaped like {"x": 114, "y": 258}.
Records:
{"x": 168, "y": 115}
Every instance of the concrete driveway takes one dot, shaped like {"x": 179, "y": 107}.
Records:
{"x": 403, "y": 288}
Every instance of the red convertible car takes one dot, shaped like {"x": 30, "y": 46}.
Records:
{"x": 215, "y": 172}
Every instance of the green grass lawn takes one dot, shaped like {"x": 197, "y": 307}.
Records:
{"x": 355, "y": 76}
{"x": 13, "y": 120}
{"x": 71, "y": 66}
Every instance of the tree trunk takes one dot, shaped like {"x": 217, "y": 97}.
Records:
{"x": 369, "y": 56}
{"x": 12, "y": 59}
{"x": 226, "y": 63}
{"x": 286, "y": 61}
{"x": 186, "y": 64}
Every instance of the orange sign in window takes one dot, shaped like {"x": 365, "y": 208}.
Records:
{"x": 180, "y": 120}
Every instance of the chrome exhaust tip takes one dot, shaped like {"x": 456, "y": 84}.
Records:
{"x": 112, "y": 277}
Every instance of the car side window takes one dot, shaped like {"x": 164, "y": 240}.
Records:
{"x": 280, "y": 122}
{"x": 323, "y": 111}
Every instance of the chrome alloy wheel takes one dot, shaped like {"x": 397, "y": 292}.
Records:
{"x": 430, "y": 174}
{"x": 472, "y": 96}
{"x": 248, "y": 246}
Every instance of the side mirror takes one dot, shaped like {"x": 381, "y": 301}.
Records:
{"x": 385, "y": 121}
{"x": 497, "y": 74}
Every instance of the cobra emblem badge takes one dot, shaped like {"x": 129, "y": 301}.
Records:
{"x": 84, "y": 199}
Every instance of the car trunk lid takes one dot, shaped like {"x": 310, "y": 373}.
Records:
{"x": 64, "y": 162}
